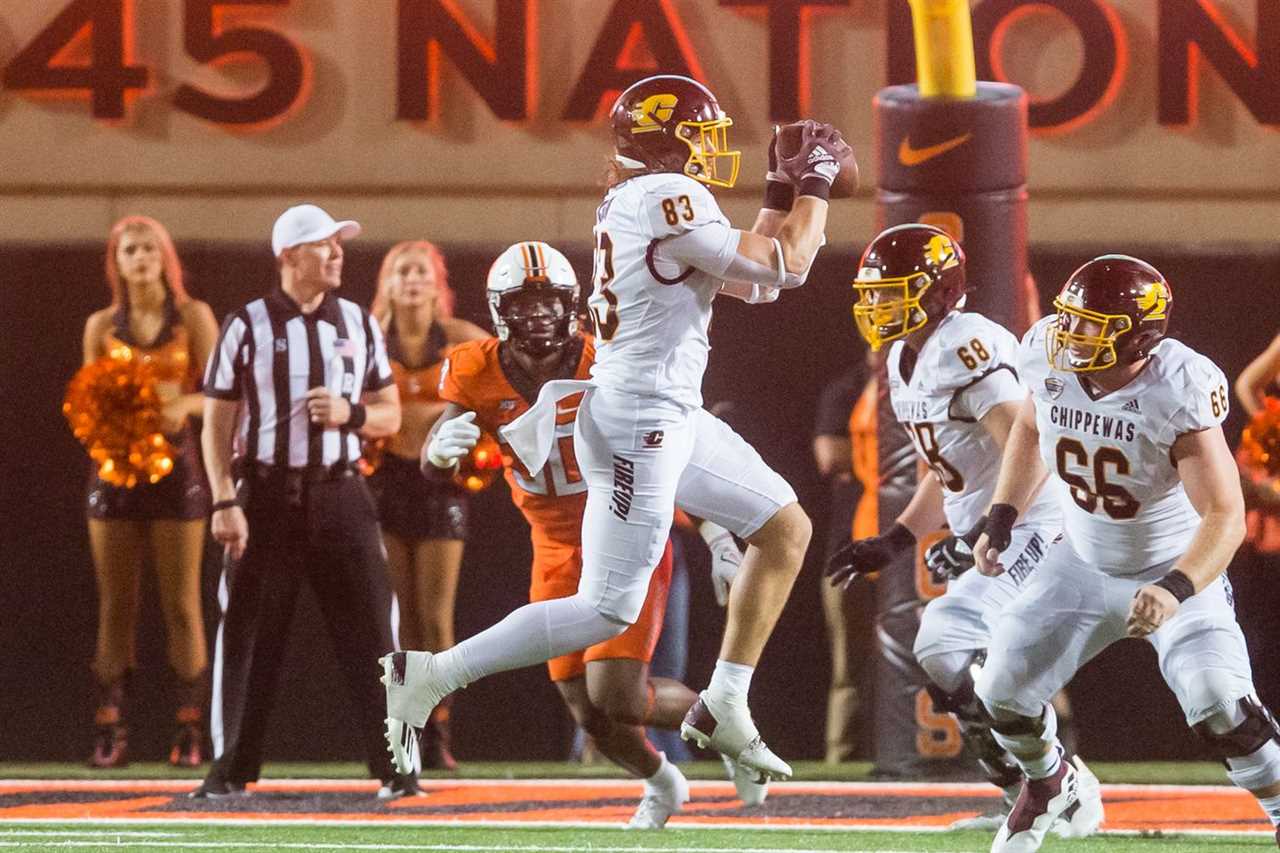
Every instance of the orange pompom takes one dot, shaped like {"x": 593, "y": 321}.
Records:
{"x": 1261, "y": 439}
{"x": 114, "y": 411}
{"x": 479, "y": 468}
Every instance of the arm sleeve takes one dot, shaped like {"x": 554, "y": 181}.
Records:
{"x": 222, "y": 377}
{"x": 378, "y": 375}
{"x": 710, "y": 248}
{"x": 998, "y": 385}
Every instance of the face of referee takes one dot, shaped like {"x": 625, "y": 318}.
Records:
{"x": 317, "y": 264}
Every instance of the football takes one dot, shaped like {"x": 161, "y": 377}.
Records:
{"x": 789, "y": 140}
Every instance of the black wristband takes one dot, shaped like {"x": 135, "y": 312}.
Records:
{"x": 899, "y": 536}
{"x": 816, "y": 187}
{"x": 1001, "y": 517}
{"x": 357, "y": 417}
{"x": 778, "y": 195}
{"x": 1178, "y": 584}
{"x": 218, "y": 506}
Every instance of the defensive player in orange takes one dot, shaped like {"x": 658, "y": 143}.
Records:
{"x": 533, "y": 299}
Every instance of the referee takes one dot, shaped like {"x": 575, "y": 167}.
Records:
{"x": 295, "y": 380}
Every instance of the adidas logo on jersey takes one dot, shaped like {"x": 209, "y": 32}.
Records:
{"x": 1131, "y": 406}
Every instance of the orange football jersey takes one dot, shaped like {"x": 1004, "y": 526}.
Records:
{"x": 474, "y": 378}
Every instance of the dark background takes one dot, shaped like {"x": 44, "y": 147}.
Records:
{"x": 769, "y": 361}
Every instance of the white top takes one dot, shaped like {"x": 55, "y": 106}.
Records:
{"x": 964, "y": 369}
{"x": 1125, "y": 509}
{"x": 652, "y": 312}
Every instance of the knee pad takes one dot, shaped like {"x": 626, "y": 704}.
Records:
{"x": 951, "y": 672}
{"x": 1246, "y": 739}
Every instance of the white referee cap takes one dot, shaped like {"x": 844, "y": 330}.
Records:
{"x": 306, "y": 223}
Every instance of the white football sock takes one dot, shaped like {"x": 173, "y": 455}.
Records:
{"x": 529, "y": 635}
{"x": 730, "y": 683}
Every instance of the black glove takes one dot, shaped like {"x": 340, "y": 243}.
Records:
{"x": 864, "y": 556}
{"x": 999, "y": 529}
{"x": 951, "y": 557}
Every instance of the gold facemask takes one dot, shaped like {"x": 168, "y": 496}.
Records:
{"x": 882, "y": 318}
{"x": 1064, "y": 347}
{"x": 710, "y": 159}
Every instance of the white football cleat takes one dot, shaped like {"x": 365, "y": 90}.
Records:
{"x": 751, "y": 785}
{"x": 1084, "y": 817}
{"x": 735, "y": 737}
{"x": 1039, "y": 805}
{"x": 412, "y": 694}
{"x": 662, "y": 798}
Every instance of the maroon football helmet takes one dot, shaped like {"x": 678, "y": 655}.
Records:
{"x": 909, "y": 275}
{"x": 670, "y": 123}
{"x": 1111, "y": 312}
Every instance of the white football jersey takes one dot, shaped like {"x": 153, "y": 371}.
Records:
{"x": 1124, "y": 506}
{"x": 965, "y": 368}
{"x": 651, "y": 316}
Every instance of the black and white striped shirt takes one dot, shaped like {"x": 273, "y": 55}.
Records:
{"x": 269, "y": 354}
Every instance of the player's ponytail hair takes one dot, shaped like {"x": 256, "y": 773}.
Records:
{"x": 381, "y": 309}
{"x": 170, "y": 269}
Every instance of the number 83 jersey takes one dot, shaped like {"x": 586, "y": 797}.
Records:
{"x": 1124, "y": 506}
{"x": 964, "y": 369}
{"x": 651, "y": 315}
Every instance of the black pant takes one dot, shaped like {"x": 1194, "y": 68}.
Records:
{"x": 321, "y": 529}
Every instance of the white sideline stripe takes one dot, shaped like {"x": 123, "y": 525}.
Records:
{"x": 676, "y": 823}
{"x": 959, "y": 788}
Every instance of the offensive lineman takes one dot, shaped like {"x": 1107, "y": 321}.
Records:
{"x": 1129, "y": 421}
{"x": 533, "y": 301}
{"x": 954, "y": 388}
{"x": 663, "y": 252}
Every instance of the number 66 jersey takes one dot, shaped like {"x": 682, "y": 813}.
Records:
{"x": 1126, "y": 509}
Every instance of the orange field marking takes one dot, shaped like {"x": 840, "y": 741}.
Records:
{"x": 807, "y": 805}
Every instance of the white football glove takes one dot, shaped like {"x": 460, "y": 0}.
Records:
{"x": 726, "y": 558}
{"x": 453, "y": 440}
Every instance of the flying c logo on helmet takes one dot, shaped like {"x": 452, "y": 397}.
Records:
{"x": 653, "y": 113}
{"x": 1154, "y": 301}
{"x": 940, "y": 252}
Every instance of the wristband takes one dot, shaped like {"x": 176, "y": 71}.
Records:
{"x": 899, "y": 536}
{"x": 816, "y": 186}
{"x": 218, "y": 506}
{"x": 357, "y": 416}
{"x": 778, "y": 195}
{"x": 1178, "y": 584}
{"x": 1001, "y": 516}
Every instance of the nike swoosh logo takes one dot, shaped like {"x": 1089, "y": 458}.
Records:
{"x": 909, "y": 156}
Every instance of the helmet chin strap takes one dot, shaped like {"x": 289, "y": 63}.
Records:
{"x": 627, "y": 162}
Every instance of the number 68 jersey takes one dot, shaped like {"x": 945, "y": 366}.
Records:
{"x": 1124, "y": 507}
{"x": 964, "y": 369}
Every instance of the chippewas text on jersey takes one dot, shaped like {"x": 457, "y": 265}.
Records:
{"x": 1093, "y": 423}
